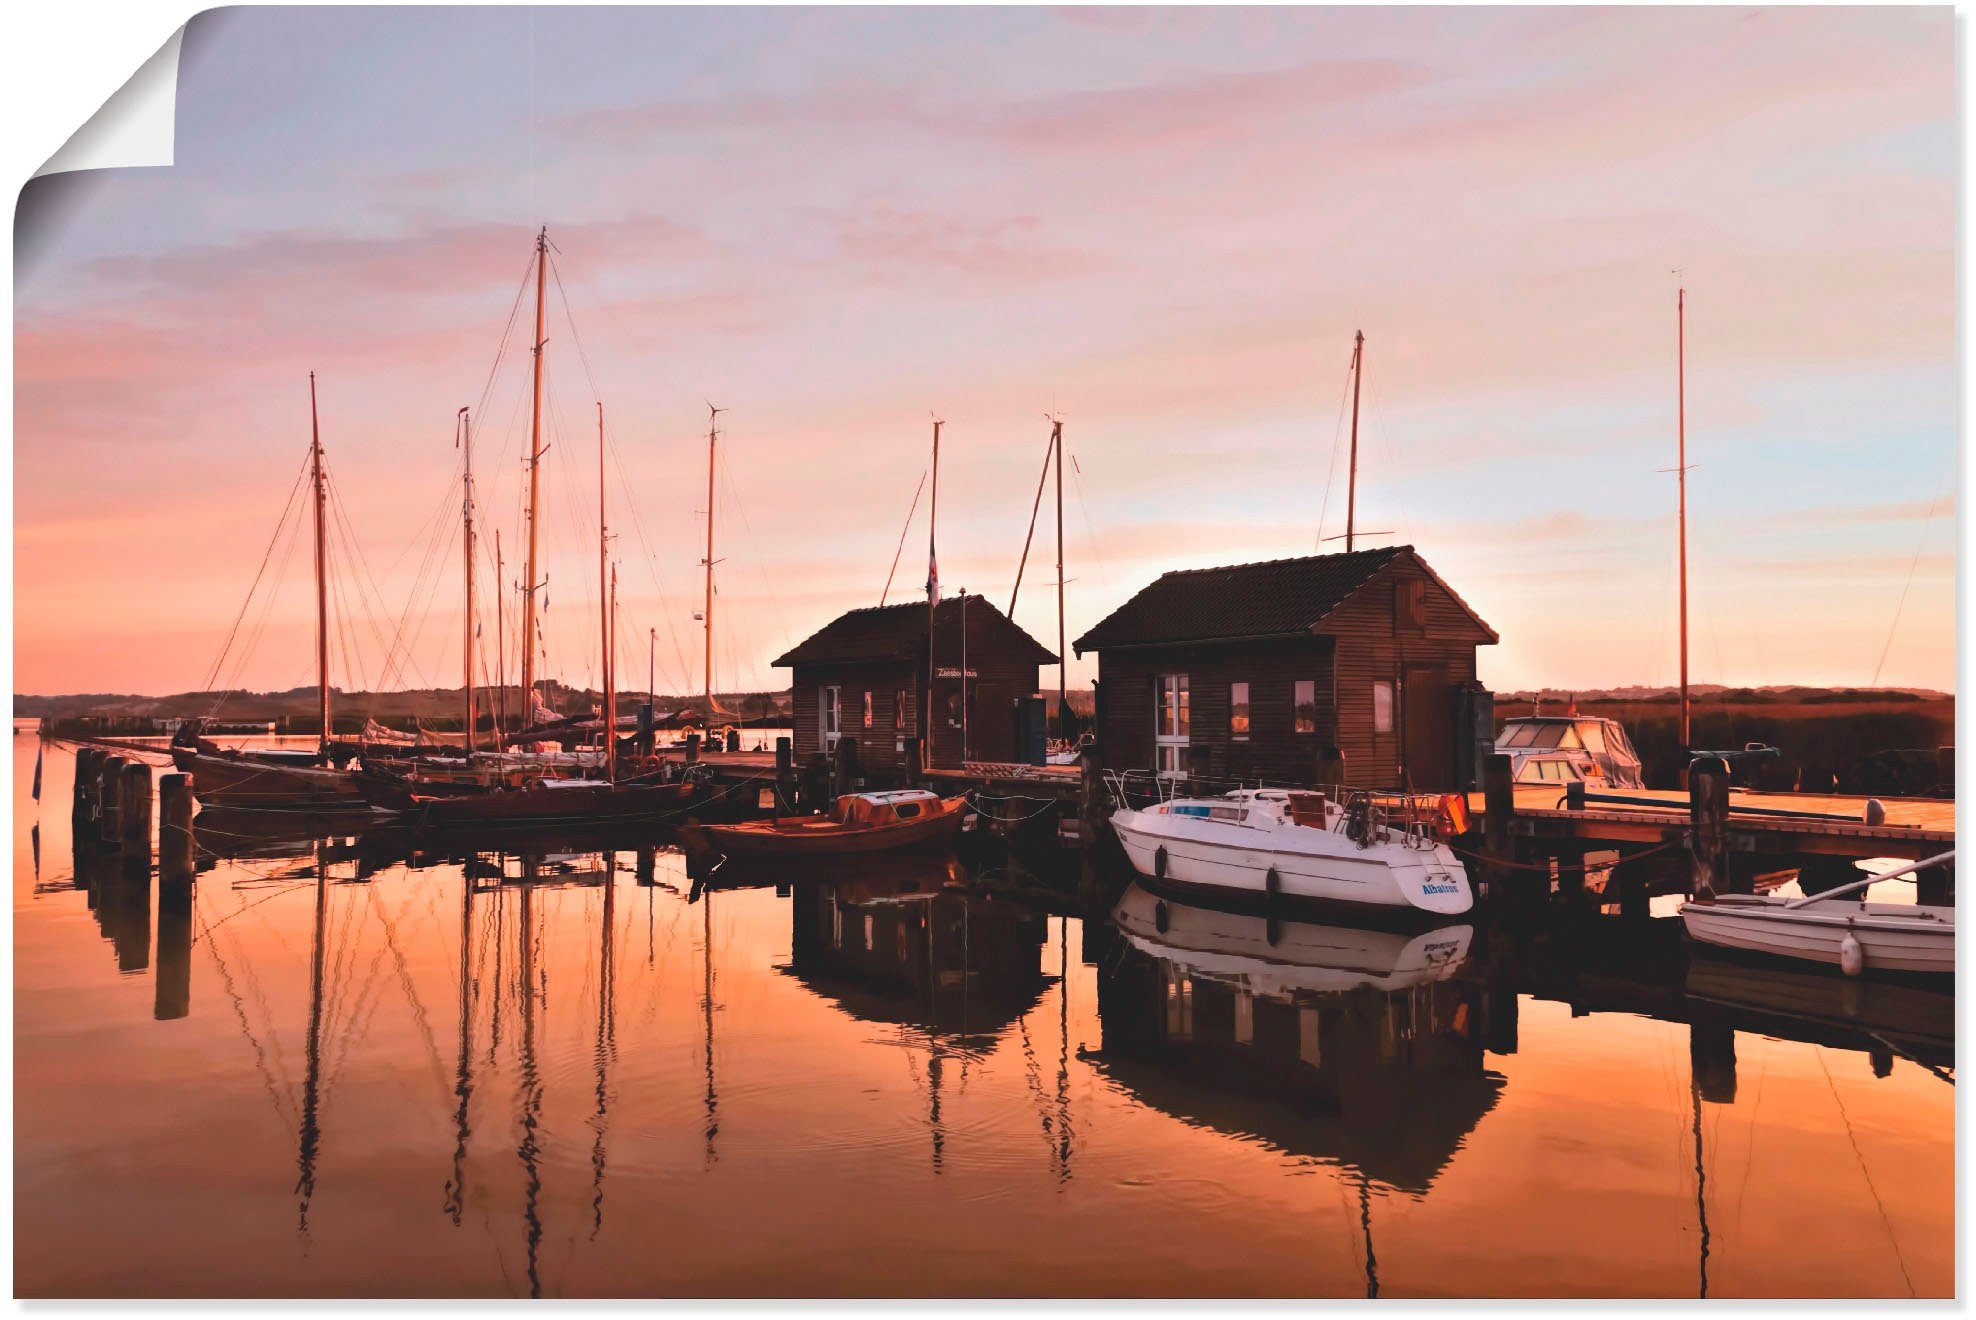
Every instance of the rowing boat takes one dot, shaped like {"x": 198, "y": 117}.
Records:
{"x": 857, "y": 823}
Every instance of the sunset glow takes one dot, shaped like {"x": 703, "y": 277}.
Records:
{"x": 1163, "y": 226}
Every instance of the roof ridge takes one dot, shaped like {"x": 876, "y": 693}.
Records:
{"x": 1289, "y": 559}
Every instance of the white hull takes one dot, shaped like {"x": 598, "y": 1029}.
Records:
{"x": 1304, "y": 957}
{"x": 1310, "y": 863}
{"x": 1892, "y": 937}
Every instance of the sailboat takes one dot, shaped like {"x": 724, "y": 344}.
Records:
{"x": 526, "y": 789}
{"x": 269, "y": 778}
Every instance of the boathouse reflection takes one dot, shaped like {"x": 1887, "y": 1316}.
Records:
{"x": 1360, "y": 1048}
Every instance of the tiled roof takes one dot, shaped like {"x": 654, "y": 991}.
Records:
{"x": 886, "y": 632}
{"x": 1275, "y": 598}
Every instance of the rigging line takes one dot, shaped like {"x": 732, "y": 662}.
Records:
{"x": 748, "y": 533}
{"x": 1042, "y": 480}
{"x": 1392, "y": 464}
{"x": 1927, "y": 525}
{"x": 1853, "y": 1141}
{"x": 1331, "y": 472}
{"x": 652, "y": 566}
{"x": 266, "y": 554}
{"x": 1090, "y": 532}
{"x": 429, "y": 530}
{"x": 507, "y": 332}
{"x": 902, "y": 536}
{"x": 233, "y": 677}
{"x": 367, "y": 582}
{"x": 569, "y": 317}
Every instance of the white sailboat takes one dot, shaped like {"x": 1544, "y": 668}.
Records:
{"x": 1281, "y": 843}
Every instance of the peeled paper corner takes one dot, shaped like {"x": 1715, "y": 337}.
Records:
{"x": 135, "y": 127}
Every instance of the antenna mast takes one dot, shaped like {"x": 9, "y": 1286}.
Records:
{"x": 1681, "y": 484}
{"x": 1351, "y": 482}
{"x": 534, "y": 492}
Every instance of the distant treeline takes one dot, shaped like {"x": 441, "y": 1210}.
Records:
{"x": 436, "y": 708}
{"x": 1853, "y": 741}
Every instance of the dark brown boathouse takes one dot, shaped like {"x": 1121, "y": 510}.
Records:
{"x": 863, "y": 675}
{"x": 1278, "y": 670}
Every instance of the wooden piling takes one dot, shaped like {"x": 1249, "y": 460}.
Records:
{"x": 176, "y": 862}
{"x": 86, "y": 769}
{"x": 1498, "y": 805}
{"x": 844, "y": 768}
{"x": 1093, "y": 813}
{"x": 136, "y": 802}
{"x": 692, "y": 748}
{"x": 785, "y": 776}
{"x": 1708, "y": 822}
{"x": 172, "y": 995}
{"x": 109, "y": 799}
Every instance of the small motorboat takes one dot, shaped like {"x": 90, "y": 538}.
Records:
{"x": 857, "y": 823}
{"x": 1830, "y": 928}
{"x": 1370, "y": 851}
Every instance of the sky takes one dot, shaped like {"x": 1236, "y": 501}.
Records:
{"x": 1162, "y": 226}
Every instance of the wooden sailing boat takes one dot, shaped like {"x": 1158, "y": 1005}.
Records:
{"x": 224, "y": 777}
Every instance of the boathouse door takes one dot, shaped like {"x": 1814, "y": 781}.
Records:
{"x": 1170, "y": 724}
{"x": 1428, "y": 712}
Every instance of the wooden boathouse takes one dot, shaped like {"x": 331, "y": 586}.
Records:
{"x": 864, "y": 676}
{"x": 1346, "y": 668}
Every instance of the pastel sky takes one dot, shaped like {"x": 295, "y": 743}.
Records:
{"x": 1163, "y": 224}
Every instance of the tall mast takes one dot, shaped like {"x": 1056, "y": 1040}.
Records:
{"x": 606, "y": 601}
{"x": 1351, "y": 483}
{"x": 610, "y": 683}
{"x": 1056, "y": 442}
{"x": 322, "y": 571}
{"x": 713, "y": 431}
{"x": 466, "y": 509}
{"x": 534, "y": 493}
{"x": 1681, "y": 484}
{"x": 932, "y": 592}
{"x": 500, "y": 644}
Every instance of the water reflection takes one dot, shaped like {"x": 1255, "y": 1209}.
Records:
{"x": 465, "y": 1065}
{"x": 1356, "y": 1047}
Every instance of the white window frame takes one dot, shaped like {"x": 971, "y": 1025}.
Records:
{"x": 830, "y": 715}
{"x": 1171, "y": 737}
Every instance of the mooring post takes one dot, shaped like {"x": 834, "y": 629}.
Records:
{"x": 85, "y": 782}
{"x": 785, "y": 776}
{"x": 137, "y": 810}
{"x": 1093, "y": 811}
{"x": 109, "y": 797}
{"x": 172, "y": 996}
{"x": 692, "y": 748}
{"x": 844, "y": 767}
{"x": 1935, "y": 886}
{"x": 734, "y": 740}
{"x": 175, "y": 855}
{"x": 1712, "y": 1056}
{"x": 1708, "y": 824}
{"x": 1498, "y": 811}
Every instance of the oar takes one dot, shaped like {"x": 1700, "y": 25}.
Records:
{"x": 1909, "y": 869}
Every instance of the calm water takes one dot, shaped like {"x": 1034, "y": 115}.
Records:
{"x": 350, "y": 1068}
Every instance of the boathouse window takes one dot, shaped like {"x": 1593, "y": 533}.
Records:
{"x": 1410, "y": 604}
{"x": 1238, "y": 711}
{"x": 831, "y": 716}
{"x": 1170, "y": 723}
{"x": 1306, "y": 705}
{"x": 1382, "y": 707}
{"x": 867, "y": 708}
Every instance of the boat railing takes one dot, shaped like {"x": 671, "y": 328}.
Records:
{"x": 1366, "y": 815}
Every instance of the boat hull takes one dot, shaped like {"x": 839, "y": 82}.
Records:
{"x": 819, "y": 836}
{"x": 1326, "y": 868}
{"x": 227, "y": 781}
{"x": 537, "y": 805}
{"x": 1892, "y": 938}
